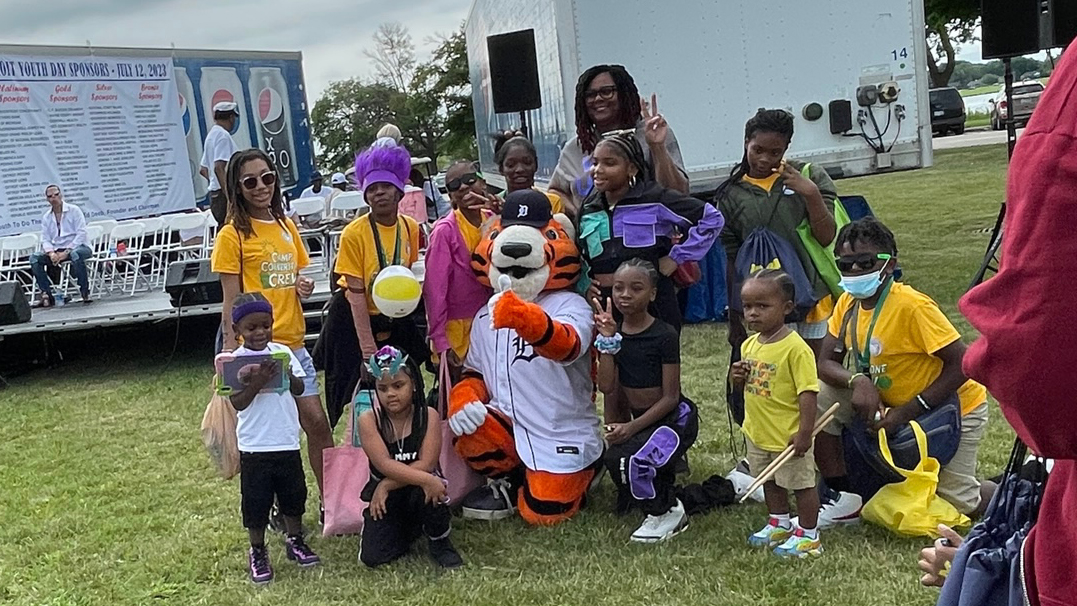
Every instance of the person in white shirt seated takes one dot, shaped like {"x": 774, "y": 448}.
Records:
{"x": 316, "y": 188}
{"x": 63, "y": 238}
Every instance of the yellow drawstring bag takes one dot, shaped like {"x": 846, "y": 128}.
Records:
{"x": 912, "y": 508}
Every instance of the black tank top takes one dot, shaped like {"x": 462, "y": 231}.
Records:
{"x": 404, "y": 451}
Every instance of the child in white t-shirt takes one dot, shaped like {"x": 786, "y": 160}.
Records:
{"x": 268, "y": 434}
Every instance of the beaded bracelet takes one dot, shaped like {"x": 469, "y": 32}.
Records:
{"x": 608, "y": 345}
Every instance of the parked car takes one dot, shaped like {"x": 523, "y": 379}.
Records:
{"x": 947, "y": 111}
{"x": 1026, "y": 95}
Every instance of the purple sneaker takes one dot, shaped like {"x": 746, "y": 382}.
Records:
{"x": 296, "y": 549}
{"x": 261, "y": 571}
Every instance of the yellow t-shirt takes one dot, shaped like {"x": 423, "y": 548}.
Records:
{"x": 267, "y": 262}
{"x": 766, "y": 184}
{"x": 472, "y": 234}
{"x": 358, "y": 256}
{"x": 910, "y": 330}
{"x": 779, "y": 373}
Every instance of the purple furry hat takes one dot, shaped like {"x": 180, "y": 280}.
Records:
{"x": 383, "y": 162}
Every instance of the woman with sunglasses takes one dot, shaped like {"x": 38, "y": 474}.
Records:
{"x": 452, "y": 294}
{"x": 607, "y": 100}
{"x": 259, "y": 250}
{"x": 354, "y": 327}
{"x": 517, "y": 161}
{"x": 908, "y": 361}
{"x": 629, "y": 215}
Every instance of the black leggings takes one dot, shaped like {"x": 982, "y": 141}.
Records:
{"x": 407, "y": 517}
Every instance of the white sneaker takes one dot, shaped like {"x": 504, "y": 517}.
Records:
{"x": 656, "y": 529}
{"x": 741, "y": 481}
{"x": 843, "y": 510}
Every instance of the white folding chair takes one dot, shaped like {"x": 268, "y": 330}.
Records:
{"x": 125, "y": 267}
{"x": 186, "y": 227}
{"x": 97, "y": 241}
{"x": 106, "y": 226}
{"x": 347, "y": 204}
{"x": 15, "y": 254}
{"x": 211, "y": 230}
{"x": 154, "y": 240}
{"x": 311, "y": 209}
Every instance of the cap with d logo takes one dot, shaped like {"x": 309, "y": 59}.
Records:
{"x": 526, "y": 207}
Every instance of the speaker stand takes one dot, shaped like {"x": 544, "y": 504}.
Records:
{"x": 523, "y": 125}
{"x": 991, "y": 255}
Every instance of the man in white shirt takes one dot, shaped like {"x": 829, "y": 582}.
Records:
{"x": 63, "y": 238}
{"x": 219, "y": 148}
{"x": 315, "y": 189}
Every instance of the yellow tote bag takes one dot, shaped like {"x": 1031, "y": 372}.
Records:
{"x": 911, "y": 508}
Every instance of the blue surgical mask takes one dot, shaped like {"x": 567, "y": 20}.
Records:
{"x": 863, "y": 287}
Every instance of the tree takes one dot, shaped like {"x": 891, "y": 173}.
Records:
{"x": 949, "y": 23}
{"x": 453, "y": 85}
{"x": 347, "y": 117}
{"x": 393, "y": 55}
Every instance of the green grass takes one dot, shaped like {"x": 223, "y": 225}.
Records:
{"x": 108, "y": 496}
{"x": 979, "y": 90}
{"x": 977, "y": 119}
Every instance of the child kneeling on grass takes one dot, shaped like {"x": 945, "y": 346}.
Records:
{"x": 650, "y": 424}
{"x": 781, "y": 386}
{"x": 270, "y": 465}
{"x": 402, "y": 439}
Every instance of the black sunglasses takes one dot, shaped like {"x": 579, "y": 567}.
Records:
{"x": 605, "y": 93}
{"x": 862, "y": 262}
{"x": 467, "y": 179}
{"x": 268, "y": 179}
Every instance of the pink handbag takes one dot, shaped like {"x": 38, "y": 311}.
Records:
{"x": 460, "y": 477}
{"x": 346, "y": 471}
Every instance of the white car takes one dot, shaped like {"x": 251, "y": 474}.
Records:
{"x": 1026, "y": 95}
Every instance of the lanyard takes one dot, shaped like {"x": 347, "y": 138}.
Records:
{"x": 381, "y": 251}
{"x": 863, "y": 356}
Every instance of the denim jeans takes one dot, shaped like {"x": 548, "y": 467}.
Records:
{"x": 40, "y": 262}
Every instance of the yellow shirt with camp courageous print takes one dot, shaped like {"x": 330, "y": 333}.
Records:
{"x": 778, "y": 373}
{"x": 910, "y": 330}
{"x": 268, "y": 261}
{"x": 358, "y": 255}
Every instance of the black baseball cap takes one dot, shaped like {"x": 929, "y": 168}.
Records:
{"x": 526, "y": 207}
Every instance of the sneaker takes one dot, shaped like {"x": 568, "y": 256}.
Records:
{"x": 771, "y": 535}
{"x": 656, "y": 529}
{"x": 444, "y": 554}
{"x": 741, "y": 482}
{"x": 799, "y": 546}
{"x": 495, "y": 501}
{"x": 840, "y": 508}
{"x": 258, "y": 561}
{"x": 297, "y": 550}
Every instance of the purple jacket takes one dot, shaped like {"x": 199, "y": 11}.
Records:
{"x": 450, "y": 289}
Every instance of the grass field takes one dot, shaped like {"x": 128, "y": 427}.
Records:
{"x": 108, "y": 496}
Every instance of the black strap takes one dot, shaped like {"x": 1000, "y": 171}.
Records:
{"x": 380, "y": 249}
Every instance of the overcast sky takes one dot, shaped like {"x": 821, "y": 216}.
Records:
{"x": 331, "y": 33}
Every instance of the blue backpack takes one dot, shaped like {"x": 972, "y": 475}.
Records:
{"x": 763, "y": 249}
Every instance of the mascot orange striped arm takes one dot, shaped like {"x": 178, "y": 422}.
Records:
{"x": 524, "y": 413}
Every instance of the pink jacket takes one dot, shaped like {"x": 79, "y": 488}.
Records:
{"x": 450, "y": 289}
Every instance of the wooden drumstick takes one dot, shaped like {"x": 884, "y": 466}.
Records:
{"x": 787, "y": 454}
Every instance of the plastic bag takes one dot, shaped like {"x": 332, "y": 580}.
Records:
{"x": 911, "y": 507}
{"x": 219, "y": 436}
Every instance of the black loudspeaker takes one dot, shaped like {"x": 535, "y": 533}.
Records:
{"x": 1058, "y": 23}
{"x": 514, "y": 79}
{"x": 193, "y": 283}
{"x": 14, "y": 308}
{"x": 1010, "y": 28}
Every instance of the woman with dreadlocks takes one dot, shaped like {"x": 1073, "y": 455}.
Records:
{"x": 259, "y": 250}
{"x": 607, "y": 100}
{"x": 630, "y": 215}
{"x": 766, "y": 190}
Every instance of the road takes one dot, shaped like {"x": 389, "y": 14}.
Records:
{"x": 971, "y": 138}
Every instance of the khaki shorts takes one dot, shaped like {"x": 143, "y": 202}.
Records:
{"x": 957, "y": 479}
{"x": 798, "y": 473}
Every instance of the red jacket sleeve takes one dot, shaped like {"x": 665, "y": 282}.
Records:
{"x": 1026, "y": 313}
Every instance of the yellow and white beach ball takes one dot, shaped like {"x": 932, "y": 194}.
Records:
{"x": 396, "y": 291}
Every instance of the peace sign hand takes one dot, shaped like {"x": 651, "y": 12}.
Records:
{"x": 655, "y": 128}
{"x": 604, "y": 322}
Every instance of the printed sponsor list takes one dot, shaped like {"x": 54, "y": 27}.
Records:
{"x": 106, "y": 130}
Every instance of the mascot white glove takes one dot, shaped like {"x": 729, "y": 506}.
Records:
{"x": 468, "y": 419}
{"x": 504, "y": 284}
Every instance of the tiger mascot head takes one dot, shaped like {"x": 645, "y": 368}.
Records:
{"x": 530, "y": 245}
